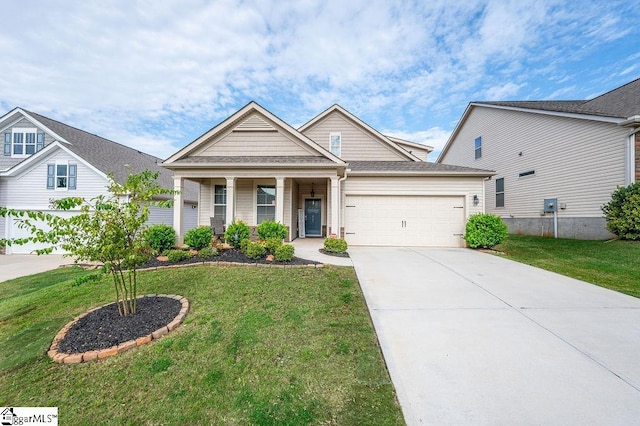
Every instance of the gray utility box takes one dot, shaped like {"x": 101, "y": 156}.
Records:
{"x": 550, "y": 205}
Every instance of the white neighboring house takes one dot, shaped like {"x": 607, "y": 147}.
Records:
{"x": 577, "y": 152}
{"x": 43, "y": 159}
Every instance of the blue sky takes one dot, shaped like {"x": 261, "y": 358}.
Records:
{"x": 156, "y": 74}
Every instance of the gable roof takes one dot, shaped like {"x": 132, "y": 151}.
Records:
{"x": 413, "y": 168}
{"x": 182, "y": 158}
{"x": 105, "y": 155}
{"x": 619, "y": 106}
{"x": 384, "y": 139}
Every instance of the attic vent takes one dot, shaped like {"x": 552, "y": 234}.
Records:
{"x": 254, "y": 123}
{"x": 527, "y": 173}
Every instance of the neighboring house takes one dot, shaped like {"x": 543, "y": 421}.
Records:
{"x": 44, "y": 159}
{"x": 577, "y": 152}
{"x": 334, "y": 175}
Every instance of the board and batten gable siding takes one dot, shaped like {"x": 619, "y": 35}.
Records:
{"x": 356, "y": 143}
{"x": 254, "y": 137}
{"x": 28, "y": 190}
{"x": 580, "y": 162}
{"x": 6, "y": 162}
{"x": 466, "y": 186}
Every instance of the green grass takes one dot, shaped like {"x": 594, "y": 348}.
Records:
{"x": 262, "y": 346}
{"x": 612, "y": 264}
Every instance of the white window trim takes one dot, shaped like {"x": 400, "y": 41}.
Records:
{"x": 255, "y": 200}
{"x": 331, "y": 135}
{"x": 477, "y": 149}
{"x": 24, "y": 131}
{"x": 213, "y": 213}
{"x": 55, "y": 175}
{"x": 503, "y": 192}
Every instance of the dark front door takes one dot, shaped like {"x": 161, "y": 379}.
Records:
{"x": 312, "y": 217}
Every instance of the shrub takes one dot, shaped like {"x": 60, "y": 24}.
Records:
{"x": 208, "y": 253}
{"x": 236, "y": 232}
{"x": 284, "y": 253}
{"x": 199, "y": 238}
{"x": 272, "y": 244}
{"x": 161, "y": 237}
{"x": 335, "y": 245}
{"x": 270, "y": 229}
{"x": 485, "y": 231}
{"x": 622, "y": 213}
{"x": 178, "y": 255}
{"x": 244, "y": 244}
{"x": 255, "y": 250}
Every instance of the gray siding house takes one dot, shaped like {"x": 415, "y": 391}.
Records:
{"x": 577, "y": 152}
{"x": 333, "y": 175}
{"x": 44, "y": 159}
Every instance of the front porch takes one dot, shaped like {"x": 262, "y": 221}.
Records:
{"x": 309, "y": 206}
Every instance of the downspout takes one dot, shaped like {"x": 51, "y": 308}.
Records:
{"x": 630, "y": 153}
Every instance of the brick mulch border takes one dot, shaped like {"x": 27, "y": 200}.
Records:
{"x": 76, "y": 358}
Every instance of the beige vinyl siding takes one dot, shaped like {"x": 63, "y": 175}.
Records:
{"x": 254, "y": 143}
{"x": 205, "y": 203}
{"x": 413, "y": 185}
{"x": 287, "y": 202}
{"x": 245, "y": 200}
{"x": 580, "y": 162}
{"x": 293, "y": 230}
{"x": 357, "y": 144}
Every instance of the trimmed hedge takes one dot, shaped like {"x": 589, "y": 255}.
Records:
{"x": 255, "y": 250}
{"x": 178, "y": 255}
{"x": 272, "y": 244}
{"x": 622, "y": 213}
{"x": 208, "y": 253}
{"x": 485, "y": 231}
{"x": 270, "y": 229}
{"x": 284, "y": 253}
{"x": 335, "y": 245}
{"x": 236, "y": 232}
{"x": 161, "y": 237}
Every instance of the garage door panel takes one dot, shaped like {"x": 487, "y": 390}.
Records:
{"x": 404, "y": 220}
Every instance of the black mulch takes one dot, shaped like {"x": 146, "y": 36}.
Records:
{"x": 228, "y": 255}
{"x": 330, "y": 253}
{"x": 104, "y": 328}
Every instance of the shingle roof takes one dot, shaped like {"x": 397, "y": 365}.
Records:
{"x": 297, "y": 159}
{"x": 111, "y": 157}
{"x": 413, "y": 167}
{"x": 622, "y": 102}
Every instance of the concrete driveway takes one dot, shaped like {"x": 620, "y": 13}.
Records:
{"x": 471, "y": 338}
{"x": 19, "y": 265}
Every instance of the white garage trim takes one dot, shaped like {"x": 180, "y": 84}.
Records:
{"x": 405, "y": 220}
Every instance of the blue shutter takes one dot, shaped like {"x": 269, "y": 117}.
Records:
{"x": 73, "y": 168}
{"x": 51, "y": 176}
{"x": 39, "y": 141}
{"x": 7, "y": 143}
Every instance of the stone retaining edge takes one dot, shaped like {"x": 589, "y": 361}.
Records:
{"x": 76, "y": 358}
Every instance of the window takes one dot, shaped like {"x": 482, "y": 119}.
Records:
{"x": 220, "y": 202}
{"x": 478, "y": 147}
{"x": 335, "y": 143}
{"x": 266, "y": 203}
{"x": 62, "y": 176}
{"x": 500, "y": 192}
{"x": 22, "y": 142}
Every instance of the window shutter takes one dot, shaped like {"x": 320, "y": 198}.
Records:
{"x": 7, "y": 143}
{"x": 51, "y": 176}
{"x": 40, "y": 141}
{"x": 73, "y": 169}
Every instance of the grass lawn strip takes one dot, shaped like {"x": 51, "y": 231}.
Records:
{"x": 610, "y": 264}
{"x": 259, "y": 346}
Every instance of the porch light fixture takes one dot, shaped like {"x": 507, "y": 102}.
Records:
{"x": 476, "y": 200}
{"x": 313, "y": 194}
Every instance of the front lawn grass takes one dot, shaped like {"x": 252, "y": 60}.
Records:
{"x": 612, "y": 264}
{"x": 265, "y": 346}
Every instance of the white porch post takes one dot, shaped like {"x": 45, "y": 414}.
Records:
{"x": 335, "y": 206}
{"x": 178, "y": 205}
{"x": 280, "y": 199}
{"x": 231, "y": 199}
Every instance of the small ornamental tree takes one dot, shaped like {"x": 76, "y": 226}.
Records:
{"x": 109, "y": 229}
{"x": 622, "y": 213}
{"x": 485, "y": 231}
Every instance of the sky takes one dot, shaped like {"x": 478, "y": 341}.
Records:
{"x": 156, "y": 74}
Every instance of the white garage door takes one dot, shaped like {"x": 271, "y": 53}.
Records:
{"x": 389, "y": 220}
{"x": 14, "y": 231}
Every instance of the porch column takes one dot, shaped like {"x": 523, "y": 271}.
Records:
{"x": 280, "y": 199}
{"x": 178, "y": 205}
{"x": 335, "y": 206}
{"x": 231, "y": 199}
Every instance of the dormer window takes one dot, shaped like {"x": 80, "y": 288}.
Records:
{"x": 23, "y": 142}
{"x": 335, "y": 143}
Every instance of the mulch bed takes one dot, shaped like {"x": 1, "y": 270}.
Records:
{"x": 104, "y": 328}
{"x": 330, "y": 253}
{"x": 228, "y": 255}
